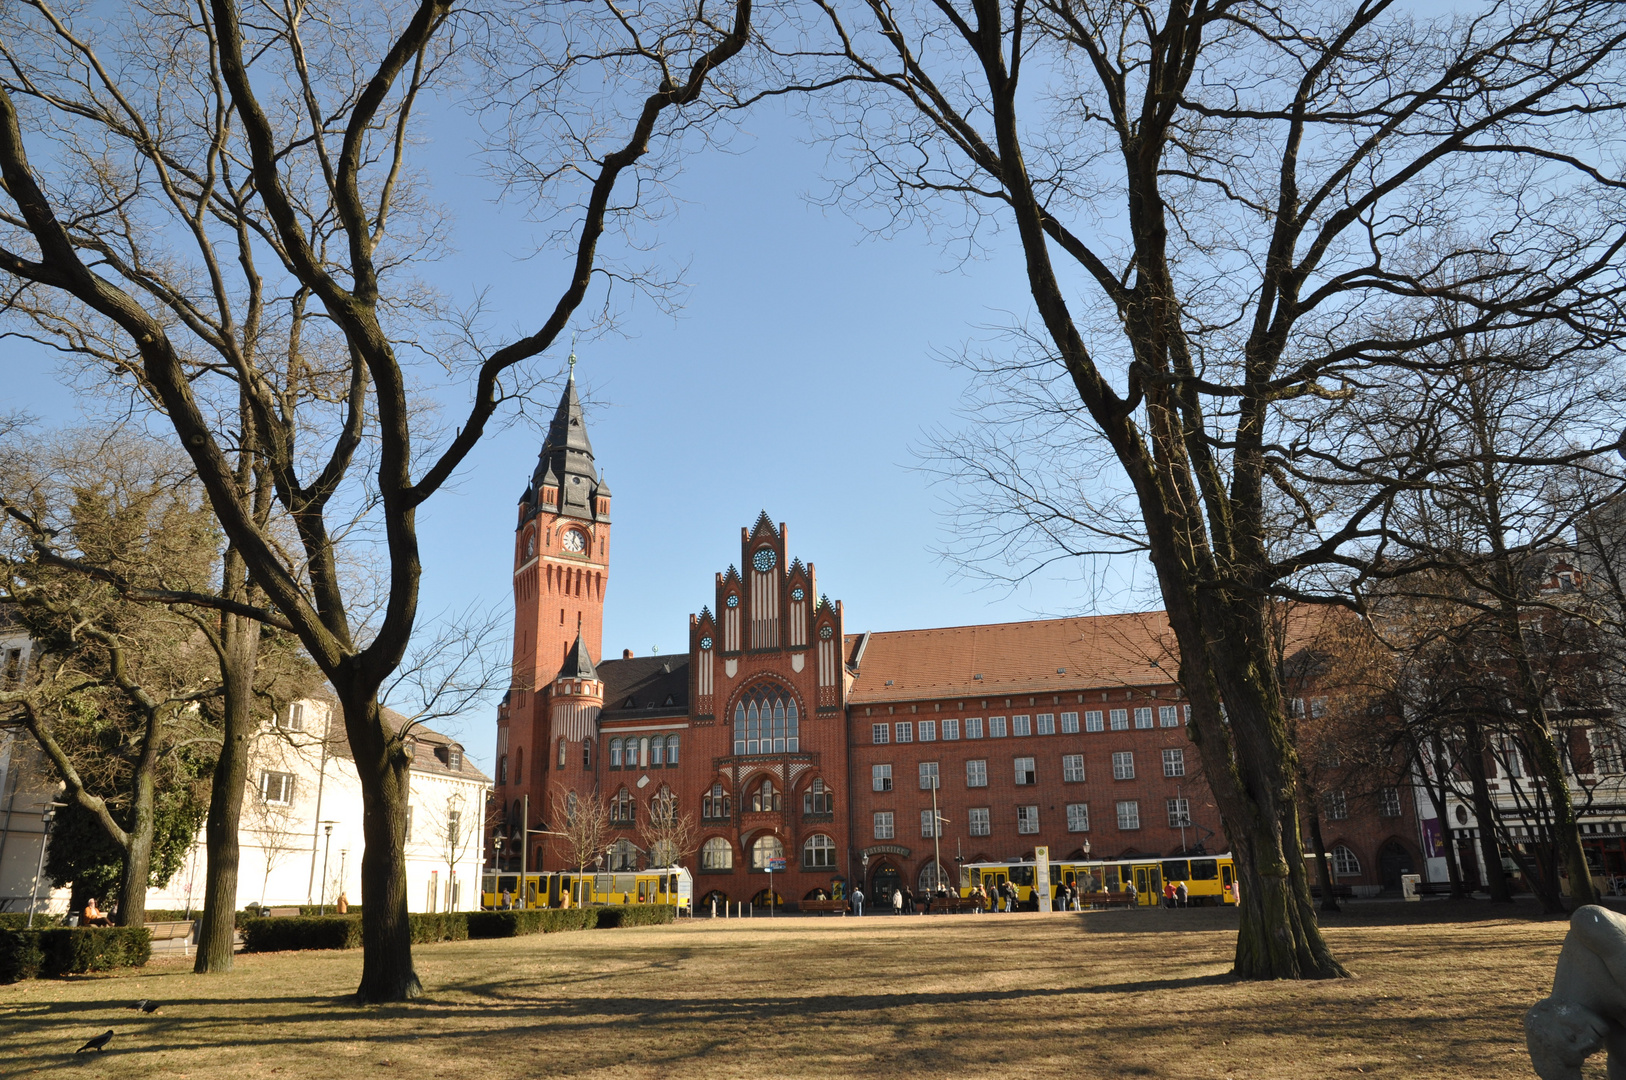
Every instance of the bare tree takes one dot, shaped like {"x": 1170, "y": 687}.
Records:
{"x": 671, "y": 835}
{"x": 581, "y": 831}
{"x": 276, "y": 833}
{"x": 226, "y": 214}
{"x": 1234, "y": 216}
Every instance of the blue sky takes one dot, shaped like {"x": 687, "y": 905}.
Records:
{"x": 802, "y": 370}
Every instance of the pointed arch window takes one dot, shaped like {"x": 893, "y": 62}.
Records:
{"x": 765, "y": 799}
{"x": 818, "y": 799}
{"x": 716, "y": 854}
{"x": 564, "y": 748}
{"x": 766, "y": 721}
{"x": 623, "y": 855}
{"x": 623, "y": 808}
{"x": 767, "y": 846}
{"x": 715, "y": 805}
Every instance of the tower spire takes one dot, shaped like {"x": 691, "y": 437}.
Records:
{"x": 566, "y": 459}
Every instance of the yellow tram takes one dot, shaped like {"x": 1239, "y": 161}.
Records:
{"x": 564, "y": 888}
{"x": 1210, "y": 879}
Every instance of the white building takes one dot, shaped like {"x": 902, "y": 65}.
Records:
{"x": 27, "y": 786}
{"x": 301, "y": 840}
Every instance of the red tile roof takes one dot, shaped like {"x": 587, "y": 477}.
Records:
{"x": 1047, "y": 656}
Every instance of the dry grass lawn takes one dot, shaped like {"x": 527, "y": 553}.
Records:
{"x": 1101, "y": 995}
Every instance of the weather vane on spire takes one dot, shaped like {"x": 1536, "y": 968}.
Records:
{"x": 572, "y": 360}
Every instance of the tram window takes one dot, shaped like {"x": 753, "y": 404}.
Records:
{"x": 1204, "y": 869}
{"x": 1022, "y": 875}
{"x": 508, "y": 884}
{"x": 1175, "y": 870}
{"x": 1109, "y": 877}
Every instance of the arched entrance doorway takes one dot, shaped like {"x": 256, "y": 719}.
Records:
{"x": 1394, "y": 860}
{"x": 884, "y": 883}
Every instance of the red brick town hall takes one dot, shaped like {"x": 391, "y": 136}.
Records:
{"x": 784, "y": 732}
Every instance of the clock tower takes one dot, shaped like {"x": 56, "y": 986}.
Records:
{"x": 561, "y": 570}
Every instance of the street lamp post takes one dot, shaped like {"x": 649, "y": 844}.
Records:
{"x": 46, "y": 819}
{"x": 327, "y": 844}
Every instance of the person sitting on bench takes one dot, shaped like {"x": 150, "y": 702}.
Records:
{"x": 93, "y": 915}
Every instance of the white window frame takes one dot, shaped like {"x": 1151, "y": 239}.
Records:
{"x": 1128, "y": 815}
{"x": 1045, "y": 724}
{"x": 1168, "y": 716}
{"x": 880, "y": 734}
{"x": 1072, "y": 768}
{"x": 1123, "y": 765}
{"x": 1174, "y": 761}
{"x": 1143, "y": 718}
{"x": 1078, "y": 817}
{"x": 951, "y": 729}
{"x": 1026, "y": 774}
{"x": 284, "y": 795}
{"x": 1345, "y": 863}
{"x": 1027, "y": 820}
{"x": 928, "y": 731}
{"x": 928, "y": 822}
{"x": 996, "y": 727}
{"x": 976, "y": 773}
{"x": 979, "y": 822}
{"x": 929, "y": 776}
{"x": 1335, "y": 804}
{"x": 884, "y": 826}
{"x": 1069, "y": 723}
{"x": 1389, "y": 802}
{"x": 1179, "y": 810}
{"x": 1119, "y": 719}
{"x": 880, "y": 777}
{"x": 1021, "y": 726}
{"x": 1093, "y": 720}
{"x": 903, "y": 731}
{"x": 973, "y": 727}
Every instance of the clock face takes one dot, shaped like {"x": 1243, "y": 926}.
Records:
{"x": 573, "y": 541}
{"x": 764, "y": 559}
{"x": 732, "y": 601}
{"x": 797, "y": 593}
{"x": 705, "y": 643}
{"x": 530, "y": 545}
{"x": 825, "y": 632}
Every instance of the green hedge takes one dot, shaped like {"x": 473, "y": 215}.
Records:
{"x": 290, "y": 933}
{"x": 445, "y": 926}
{"x": 501, "y": 924}
{"x": 28, "y": 954}
{"x": 18, "y": 920}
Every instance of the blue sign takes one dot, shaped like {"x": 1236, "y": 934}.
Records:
{"x": 776, "y": 866}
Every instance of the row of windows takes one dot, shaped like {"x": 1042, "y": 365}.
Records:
{"x": 652, "y": 753}
{"x": 903, "y": 731}
{"x": 979, "y": 822}
{"x": 818, "y": 853}
{"x": 1335, "y": 804}
{"x": 1026, "y": 772}
{"x": 818, "y": 798}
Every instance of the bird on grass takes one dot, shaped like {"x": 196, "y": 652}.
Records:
{"x": 98, "y": 1043}
{"x": 142, "y": 1004}
{"x": 150, "y": 1006}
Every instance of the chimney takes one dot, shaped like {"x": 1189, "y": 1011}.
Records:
{"x": 626, "y": 654}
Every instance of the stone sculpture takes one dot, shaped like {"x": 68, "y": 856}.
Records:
{"x": 1587, "y": 1010}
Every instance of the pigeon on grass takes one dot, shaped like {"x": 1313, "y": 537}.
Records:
{"x": 142, "y": 1004}
{"x": 150, "y": 1006}
{"x": 98, "y": 1044}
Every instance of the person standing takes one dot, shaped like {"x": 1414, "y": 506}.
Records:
{"x": 858, "y": 900}
{"x": 1181, "y": 893}
{"x": 1168, "y": 895}
{"x": 897, "y": 901}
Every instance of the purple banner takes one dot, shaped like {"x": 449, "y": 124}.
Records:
{"x": 1433, "y": 841}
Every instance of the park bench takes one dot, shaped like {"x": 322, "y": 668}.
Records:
{"x": 823, "y": 906}
{"x": 282, "y": 912}
{"x": 952, "y": 905}
{"x": 1342, "y": 892}
{"x": 170, "y": 931}
{"x": 1436, "y": 888}
{"x": 1108, "y": 899}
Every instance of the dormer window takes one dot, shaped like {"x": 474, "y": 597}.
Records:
{"x": 454, "y": 759}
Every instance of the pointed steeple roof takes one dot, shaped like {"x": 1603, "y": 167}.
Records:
{"x": 567, "y": 455}
{"x": 577, "y": 665}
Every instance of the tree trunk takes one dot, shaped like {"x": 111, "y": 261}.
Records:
{"x": 1252, "y": 768}
{"x": 387, "y": 974}
{"x": 1485, "y": 813}
{"x": 1442, "y": 812}
{"x": 1329, "y": 890}
{"x": 137, "y": 867}
{"x": 240, "y": 641}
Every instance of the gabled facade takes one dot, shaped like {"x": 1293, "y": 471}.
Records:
{"x": 787, "y": 737}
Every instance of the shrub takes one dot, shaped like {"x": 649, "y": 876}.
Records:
{"x": 327, "y": 909}
{"x": 27, "y": 954}
{"x": 497, "y": 924}
{"x": 20, "y": 955}
{"x": 292, "y": 933}
{"x": 637, "y": 915}
{"x": 445, "y": 926}
{"x": 18, "y": 920}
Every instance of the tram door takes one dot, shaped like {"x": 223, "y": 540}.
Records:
{"x": 1227, "y": 894}
{"x": 1149, "y": 883}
